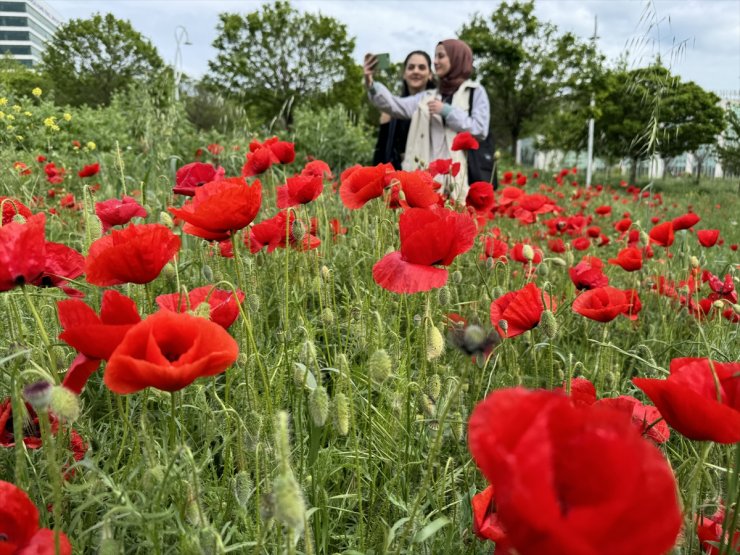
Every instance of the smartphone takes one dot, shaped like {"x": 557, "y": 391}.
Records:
{"x": 384, "y": 61}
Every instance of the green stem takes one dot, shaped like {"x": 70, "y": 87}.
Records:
{"x": 55, "y": 475}
{"x": 42, "y": 333}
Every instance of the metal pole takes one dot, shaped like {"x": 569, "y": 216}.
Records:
{"x": 180, "y": 34}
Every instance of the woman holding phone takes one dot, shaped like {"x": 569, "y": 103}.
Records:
{"x": 456, "y": 105}
{"x": 416, "y": 77}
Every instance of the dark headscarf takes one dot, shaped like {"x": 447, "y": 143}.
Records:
{"x": 461, "y": 66}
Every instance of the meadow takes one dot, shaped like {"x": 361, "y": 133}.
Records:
{"x": 240, "y": 351}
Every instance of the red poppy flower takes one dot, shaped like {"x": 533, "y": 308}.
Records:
{"x": 428, "y": 238}
{"x": 603, "y": 210}
{"x": 588, "y": 273}
{"x": 495, "y": 248}
{"x": 556, "y": 245}
{"x": 582, "y": 392}
{"x": 215, "y": 149}
{"x": 486, "y": 524}
{"x": 521, "y": 180}
{"x": 21, "y": 168}
{"x": 135, "y": 254}
{"x": 61, "y": 264}
{"x": 444, "y": 167}
{"x": 97, "y": 336}
{"x": 686, "y": 221}
{"x": 521, "y": 310}
{"x": 169, "y": 351}
{"x": 517, "y": 253}
{"x": 196, "y": 174}
{"x": 662, "y": 234}
{"x": 418, "y": 189}
{"x": 224, "y": 307}
{"x": 12, "y": 207}
{"x": 337, "y": 228}
{"x": 282, "y": 150}
{"x": 709, "y": 531}
{"x": 300, "y": 189}
{"x": 19, "y": 526}
{"x": 530, "y": 206}
{"x": 258, "y": 161}
{"x": 480, "y": 196}
{"x": 22, "y": 252}
{"x": 273, "y": 232}
{"x": 118, "y": 212}
{"x": 572, "y": 479}
{"x": 707, "y": 237}
{"x": 317, "y": 168}
{"x": 464, "y": 141}
{"x": 221, "y": 207}
{"x": 54, "y": 175}
{"x": 581, "y": 243}
{"x": 629, "y": 259}
{"x": 362, "y": 184}
{"x": 646, "y": 418}
{"x": 89, "y": 170}
{"x": 699, "y": 399}
{"x": 602, "y": 304}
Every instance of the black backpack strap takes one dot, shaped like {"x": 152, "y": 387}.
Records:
{"x": 470, "y": 101}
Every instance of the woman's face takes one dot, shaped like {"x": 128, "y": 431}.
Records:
{"x": 441, "y": 61}
{"x": 417, "y": 73}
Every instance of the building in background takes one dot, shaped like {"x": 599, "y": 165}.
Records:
{"x": 25, "y": 28}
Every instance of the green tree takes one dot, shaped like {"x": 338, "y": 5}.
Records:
{"x": 729, "y": 149}
{"x": 89, "y": 60}
{"x": 692, "y": 121}
{"x": 277, "y": 57}
{"x": 19, "y": 80}
{"x": 526, "y": 66}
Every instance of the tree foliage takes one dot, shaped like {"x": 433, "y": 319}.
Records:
{"x": 89, "y": 60}
{"x": 277, "y": 57}
{"x": 17, "y": 79}
{"x": 729, "y": 149}
{"x": 526, "y": 66}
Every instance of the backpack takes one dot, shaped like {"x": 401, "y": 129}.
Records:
{"x": 481, "y": 163}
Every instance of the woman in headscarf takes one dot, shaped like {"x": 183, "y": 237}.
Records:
{"x": 416, "y": 77}
{"x": 457, "y": 105}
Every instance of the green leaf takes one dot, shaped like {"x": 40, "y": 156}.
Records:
{"x": 430, "y": 529}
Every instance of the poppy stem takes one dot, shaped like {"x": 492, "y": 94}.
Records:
{"x": 42, "y": 333}
{"x": 55, "y": 475}
{"x": 732, "y": 503}
{"x": 173, "y": 419}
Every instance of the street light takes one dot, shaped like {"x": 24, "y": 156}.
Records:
{"x": 181, "y": 33}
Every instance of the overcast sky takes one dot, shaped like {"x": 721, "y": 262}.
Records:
{"x": 708, "y": 31}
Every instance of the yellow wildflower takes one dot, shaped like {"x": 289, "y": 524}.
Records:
{"x": 55, "y": 127}
{"x": 9, "y": 127}
{"x": 36, "y": 92}
{"x": 3, "y": 101}
{"x": 17, "y": 109}
{"x": 27, "y": 114}
{"x": 50, "y": 121}
{"x": 91, "y": 145}
{"x": 19, "y": 138}
{"x": 10, "y": 117}
{"x": 67, "y": 116}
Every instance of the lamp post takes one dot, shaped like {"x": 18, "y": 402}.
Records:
{"x": 592, "y": 104}
{"x": 181, "y": 33}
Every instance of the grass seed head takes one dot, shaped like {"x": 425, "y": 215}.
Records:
{"x": 341, "y": 414}
{"x": 289, "y": 504}
{"x": 435, "y": 342}
{"x": 379, "y": 366}
{"x": 318, "y": 406}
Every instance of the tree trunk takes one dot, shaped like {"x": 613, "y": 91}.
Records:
{"x": 633, "y": 172}
{"x": 699, "y": 164}
{"x": 514, "y": 140}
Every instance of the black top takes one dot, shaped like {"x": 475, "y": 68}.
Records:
{"x": 391, "y": 142}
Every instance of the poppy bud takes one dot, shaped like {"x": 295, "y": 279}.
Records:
{"x": 318, "y": 406}
{"x": 379, "y": 366}
{"x": 254, "y": 302}
{"x": 308, "y": 352}
{"x": 497, "y": 292}
{"x": 644, "y": 352}
{"x": 19, "y": 219}
{"x": 341, "y": 414}
{"x": 694, "y": 262}
{"x": 297, "y": 231}
{"x": 443, "y": 296}
{"x": 203, "y": 310}
{"x": 38, "y": 395}
{"x": 417, "y": 320}
{"x": 528, "y": 252}
{"x": 355, "y": 312}
{"x": 569, "y": 259}
{"x": 736, "y": 308}
{"x": 193, "y": 513}
{"x": 543, "y": 270}
{"x": 94, "y": 228}
{"x": 210, "y": 541}
{"x": 504, "y": 325}
{"x": 169, "y": 271}
{"x": 303, "y": 377}
{"x": 428, "y": 406}
{"x": 242, "y": 486}
{"x": 166, "y": 220}
{"x": 289, "y": 504}
{"x": 327, "y": 316}
{"x": 548, "y": 324}
{"x": 457, "y": 425}
{"x": 325, "y": 273}
{"x": 435, "y": 342}
{"x": 718, "y": 304}
{"x": 457, "y": 276}
{"x": 557, "y": 261}
{"x": 490, "y": 263}
{"x": 207, "y": 273}
{"x": 644, "y": 238}
{"x": 433, "y": 386}
{"x": 64, "y": 404}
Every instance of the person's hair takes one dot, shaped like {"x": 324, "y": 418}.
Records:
{"x": 431, "y": 83}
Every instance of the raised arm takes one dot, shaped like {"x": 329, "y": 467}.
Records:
{"x": 477, "y": 122}
{"x": 400, "y": 107}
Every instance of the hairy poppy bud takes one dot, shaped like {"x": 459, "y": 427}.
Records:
{"x": 38, "y": 395}
{"x": 443, "y": 296}
{"x": 457, "y": 276}
{"x": 428, "y": 406}
{"x": 166, "y": 219}
{"x": 719, "y": 303}
{"x": 433, "y": 386}
{"x": 325, "y": 273}
{"x": 254, "y": 302}
{"x": 569, "y": 258}
{"x": 528, "y": 252}
{"x": 308, "y": 352}
{"x": 435, "y": 342}
{"x": 327, "y": 316}
{"x": 490, "y": 263}
{"x": 169, "y": 271}
{"x": 497, "y": 292}
{"x": 318, "y": 406}
{"x": 379, "y": 366}
{"x": 19, "y": 219}
{"x": 504, "y": 325}
{"x": 297, "y": 230}
{"x": 207, "y": 273}
{"x": 289, "y": 504}
{"x": 417, "y": 320}
{"x": 694, "y": 262}
{"x": 736, "y": 308}
{"x": 203, "y": 310}
{"x": 341, "y": 414}
{"x": 210, "y": 541}
{"x": 242, "y": 486}
{"x": 549, "y": 324}
{"x": 64, "y": 404}
{"x": 457, "y": 425}
{"x": 557, "y": 261}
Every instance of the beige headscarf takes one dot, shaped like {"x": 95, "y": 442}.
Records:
{"x": 461, "y": 66}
